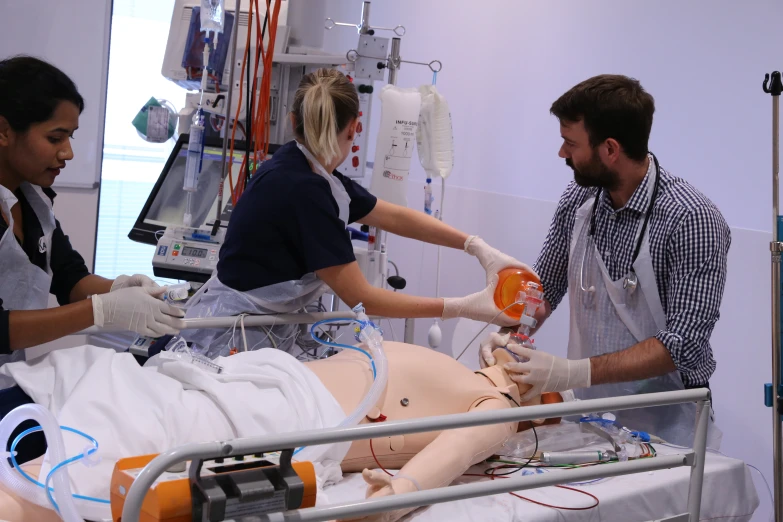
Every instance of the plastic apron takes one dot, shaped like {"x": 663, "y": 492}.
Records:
{"x": 215, "y": 299}
{"x": 23, "y": 285}
{"x": 612, "y": 319}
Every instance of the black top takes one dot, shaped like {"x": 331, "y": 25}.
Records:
{"x": 67, "y": 265}
{"x": 286, "y": 224}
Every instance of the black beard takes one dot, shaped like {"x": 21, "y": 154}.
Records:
{"x": 595, "y": 174}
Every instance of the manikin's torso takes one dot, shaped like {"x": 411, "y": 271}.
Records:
{"x": 417, "y": 376}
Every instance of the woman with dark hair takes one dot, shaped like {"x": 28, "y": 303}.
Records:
{"x": 39, "y": 113}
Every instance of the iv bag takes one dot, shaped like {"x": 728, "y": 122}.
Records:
{"x": 213, "y": 15}
{"x": 394, "y": 147}
{"x": 434, "y": 136}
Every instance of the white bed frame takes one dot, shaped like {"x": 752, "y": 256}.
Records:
{"x": 210, "y": 450}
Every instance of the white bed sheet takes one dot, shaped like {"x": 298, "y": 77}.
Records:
{"x": 728, "y": 496}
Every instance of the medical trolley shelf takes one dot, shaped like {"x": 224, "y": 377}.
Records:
{"x": 210, "y": 450}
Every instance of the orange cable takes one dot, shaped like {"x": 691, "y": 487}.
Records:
{"x": 239, "y": 108}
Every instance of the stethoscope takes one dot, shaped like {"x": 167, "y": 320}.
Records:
{"x": 631, "y": 281}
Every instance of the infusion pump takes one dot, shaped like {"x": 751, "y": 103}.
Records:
{"x": 187, "y": 254}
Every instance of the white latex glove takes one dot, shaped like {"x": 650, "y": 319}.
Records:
{"x": 479, "y": 307}
{"x": 547, "y": 373}
{"x": 141, "y": 280}
{"x": 139, "y": 310}
{"x": 490, "y": 344}
{"x": 492, "y": 259}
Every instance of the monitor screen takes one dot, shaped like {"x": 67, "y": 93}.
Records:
{"x": 166, "y": 203}
{"x": 168, "y": 206}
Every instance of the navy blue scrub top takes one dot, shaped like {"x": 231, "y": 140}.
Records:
{"x": 286, "y": 224}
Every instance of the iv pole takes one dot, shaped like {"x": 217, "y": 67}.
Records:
{"x": 773, "y": 396}
{"x": 392, "y": 64}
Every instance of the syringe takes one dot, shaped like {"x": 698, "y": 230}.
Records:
{"x": 193, "y": 163}
{"x": 196, "y": 142}
{"x": 188, "y": 357}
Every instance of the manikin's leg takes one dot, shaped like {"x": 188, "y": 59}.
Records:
{"x": 15, "y": 509}
{"x": 441, "y": 462}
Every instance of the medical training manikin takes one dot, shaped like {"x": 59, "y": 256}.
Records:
{"x": 421, "y": 383}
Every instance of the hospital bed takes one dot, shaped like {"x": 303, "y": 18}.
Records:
{"x": 646, "y": 489}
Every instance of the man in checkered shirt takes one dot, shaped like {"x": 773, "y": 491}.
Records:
{"x": 642, "y": 255}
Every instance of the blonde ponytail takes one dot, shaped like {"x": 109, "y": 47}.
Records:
{"x": 320, "y": 122}
{"x": 324, "y": 104}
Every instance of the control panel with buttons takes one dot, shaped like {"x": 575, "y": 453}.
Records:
{"x": 181, "y": 257}
{"x": 354, "y": 164}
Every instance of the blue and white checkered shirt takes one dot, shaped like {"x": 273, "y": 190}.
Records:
{"x": 689, "y": 244}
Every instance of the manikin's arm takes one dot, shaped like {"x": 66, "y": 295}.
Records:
{"x": 445, "y": 459}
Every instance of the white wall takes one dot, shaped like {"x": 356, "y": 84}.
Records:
{"x": 505, "y": 62}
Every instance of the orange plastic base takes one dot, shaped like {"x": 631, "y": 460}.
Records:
{"x": 170, "y": 500}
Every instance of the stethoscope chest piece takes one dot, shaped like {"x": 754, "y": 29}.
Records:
{"x": 630, "y": 282}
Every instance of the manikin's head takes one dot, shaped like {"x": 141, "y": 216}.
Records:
{"x": 39, "y": 112}
{"x": 605, "y": 124}
{"x": 325, "y": 116}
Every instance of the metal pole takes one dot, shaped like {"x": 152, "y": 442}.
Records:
{"x": 410, "y": 324}
{"x": 394, "y": 61}
{"x": 775, "y": 161}
{"x": 223, "y": 169}
{"x": 364, "y": 27}
{"x": 393, "y": 65}
{"x": 349, "y": 510}
{"x": 777, "y": 431}
{"x": 251, "y": 321}
{"x": 700, "y": 453}
{"x": 265, "y": 320}
{"x": 775, "y": 88}
{"x": 207, "y": 450}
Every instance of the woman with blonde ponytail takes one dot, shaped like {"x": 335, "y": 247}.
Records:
{"x": 287, "y": 242}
